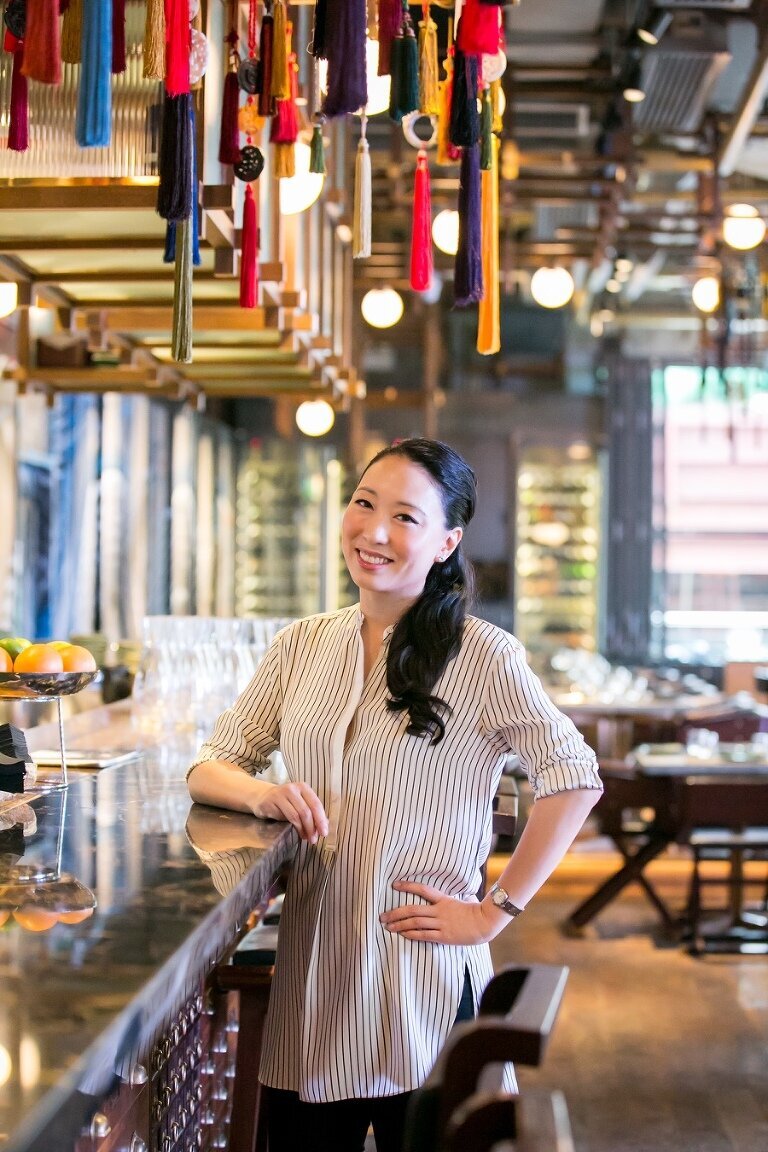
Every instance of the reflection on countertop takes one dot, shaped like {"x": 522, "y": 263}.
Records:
{"x": 80, "y": 1000}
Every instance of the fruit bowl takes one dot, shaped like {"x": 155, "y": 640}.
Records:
{"x": 42, "y": 685}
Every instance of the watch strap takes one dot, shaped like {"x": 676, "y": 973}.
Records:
{"x": 501, "y": 899}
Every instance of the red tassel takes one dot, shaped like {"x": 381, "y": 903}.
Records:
{"x": 284, "y": 127}
{"x": 118, "y": 37}
{"x": 390, "y": 19}
{"x": 479, "y": 32}
{"x": 249, "y": 252}
{"x": 18, "y": 123}
{"x": 229, "y": 140}
{"x": 42, "y": 55}
{"x": 421, "y": 235}
{"x": 266, "y": 104}
{"x": 177, "y": 47}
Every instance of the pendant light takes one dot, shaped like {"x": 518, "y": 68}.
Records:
{"x": 633, "y": 90}
{"x": 9, "y": 298}
{"x": 743, "y": 227}
{"x": 552, "y": 287}
{"x": 315, "y": 417}
{"x": 651, "y": 30}
{"x": 382, "y": 307}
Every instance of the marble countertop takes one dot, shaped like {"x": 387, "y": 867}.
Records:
{"x": 161, "y": 889}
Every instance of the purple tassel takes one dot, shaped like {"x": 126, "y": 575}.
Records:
{"x": 346, "y": 24}
{"x": 464, "y": 128}
{"x": 468, "y": 269}
{"x": 317, "y": 46}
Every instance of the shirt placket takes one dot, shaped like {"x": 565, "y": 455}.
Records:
{"x": 330, "y": 844}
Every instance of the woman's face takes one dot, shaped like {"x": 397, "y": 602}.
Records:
{"x": 394, "y": 529}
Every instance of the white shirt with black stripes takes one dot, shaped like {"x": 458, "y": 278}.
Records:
{"x": 356, "y": 1010}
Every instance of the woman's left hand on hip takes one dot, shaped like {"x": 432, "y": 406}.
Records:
{"x": 442, "y": 920}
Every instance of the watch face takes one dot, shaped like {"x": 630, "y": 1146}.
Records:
{"x": 499, "y": 896}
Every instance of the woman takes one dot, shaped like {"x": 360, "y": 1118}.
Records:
{"x": 394, "y": 718}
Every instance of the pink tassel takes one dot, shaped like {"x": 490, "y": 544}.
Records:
{"x": 249, "y": 252}
{"x": 478, "y": 30}
{"x": 284, "y": 126}
{"x": 390, "y": 19}
{"x": 177, "y": 47}
{"x": 18, "y": 126}
{"x": 118, "y": 37}
{"x": 421, "y": 235}
{"x": 42, "y": 55}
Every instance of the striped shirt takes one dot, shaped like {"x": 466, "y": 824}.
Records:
{"x": 356, "y": 1010}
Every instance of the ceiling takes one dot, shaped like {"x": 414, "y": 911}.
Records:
{"x": 598, "y": 179}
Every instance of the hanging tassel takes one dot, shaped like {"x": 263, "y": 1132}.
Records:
{"x": 229, "y": 139}
{"x": 174, "y": 192}
{"x": 284, "y": 127}
{"x": 181, "y": 338}
{"x": 447, "y": 153}
{"x": 464, "y": 129}
{"x": 478, "y": 29}
{"x": 488, "y": 319}
{"x": 72, "y": 32}
{"x": 429, "y": 100}
{"x": 284, "y": 164}
{"x": 496, "y": 105}
{"x": 93, "y": 124}
{"x": 361, "y": 217}
{"x": 118, "y": 37}
{"x": 317, "y": 43}
{"x": 249, "y": 267}
{"x": 372, "y": 7}
{"x": 468, "y": 269}
{"x": 405, "y": 84}
{"x": 169, "y": 256}
{"x": 18, "y": 120}
{"x": 279, "y": 80}
{"x": 345, "y": 49}
{"x": 390, "y": 21}
{"x": 154, "y": 41}
{"x": 42, "y": 42}
{"x": 486, "y": 131}
{"x": 317, "y": 150}
{"x": 178, "y": 45}
{"x": 421, "y": 234}
{"x": 266, "y": 44}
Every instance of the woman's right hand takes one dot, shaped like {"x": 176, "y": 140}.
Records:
{"x": 298, "y": 804}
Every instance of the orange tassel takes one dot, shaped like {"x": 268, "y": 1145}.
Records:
{"x": 42, "y": 42}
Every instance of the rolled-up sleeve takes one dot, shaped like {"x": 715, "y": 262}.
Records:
{"x": 550, "y": 748}
{"x": 248, "y": 732}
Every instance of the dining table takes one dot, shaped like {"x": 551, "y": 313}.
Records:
{"x": 664, "y": 794}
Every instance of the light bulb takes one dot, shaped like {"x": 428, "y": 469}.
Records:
{"x": 706, "y": 293}
{"x": 299, "y": 192}
{"x": 552, "y": 287}
{"x": 382, "y": 307}
{"x": 445, "y": 231}
{"x": 743, "y": 227}
{"x": 9, "y": 298}
{"x": 315, "y": 417}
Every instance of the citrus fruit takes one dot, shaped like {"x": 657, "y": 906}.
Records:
{"x": 34, "y": 919}
{"x": 76, "y": 916}
{"x": 59, "y": 645}
{"x": 77, "y": 659}
{"x": 13, "y": 645}
{"x": 39, "y": 658}
{"x": 6, "y": 664}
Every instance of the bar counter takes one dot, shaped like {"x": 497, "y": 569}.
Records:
{"x": 111, "y": 1034}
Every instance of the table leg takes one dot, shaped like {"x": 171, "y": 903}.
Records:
{"x": 610, "y": 888}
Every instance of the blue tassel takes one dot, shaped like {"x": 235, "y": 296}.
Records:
{"x": 169, "y": 255}
{"x": 93, "y": 128}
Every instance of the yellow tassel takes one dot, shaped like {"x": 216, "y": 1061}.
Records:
{"x": 496, "y": 105}
{"x": 361, "y": 215}
{"x": 444, "y": 115}
{"x": 71, "y": 32}
{"x": 488, "y": 321}
{"x": 429, "y": 98}
{"x": 154, "y": 41}
{"x": 372, "y": 8}
{"x": 280, "y": 85}
{"x": 285, "y": 160}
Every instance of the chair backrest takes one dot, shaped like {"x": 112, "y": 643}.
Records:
{"x": 536, "y": 1121}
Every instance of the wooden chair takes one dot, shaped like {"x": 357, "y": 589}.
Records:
{"x": 535, "y": 1122}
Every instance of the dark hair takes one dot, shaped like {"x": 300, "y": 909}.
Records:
{"x": 429, "y": 635}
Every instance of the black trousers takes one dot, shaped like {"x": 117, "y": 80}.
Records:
{"x": 342, "y": 1126}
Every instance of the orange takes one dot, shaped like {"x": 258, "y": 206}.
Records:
{"x": 39, "y": 658}
{"x": 34, "y": 919}
{"x": 76, "y": 916}
{"x": 59, "y": 645}
{"x": 6, "y": 664}
{"x": 77, "y": 659}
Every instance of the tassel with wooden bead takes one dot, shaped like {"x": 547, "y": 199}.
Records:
{"x": 421, "y": 232}
{"x": 361, "y": 216}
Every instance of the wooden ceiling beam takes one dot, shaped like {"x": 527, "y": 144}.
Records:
{"x": 97, "y": 195}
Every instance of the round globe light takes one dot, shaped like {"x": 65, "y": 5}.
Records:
{"x": 552, "y": 287}
{"x": 743, "y": 227}
{"x": 299, "y": 192}
{"x": 706, "y": 293}
{"x": 382, "y": 307}
{"x": 9, "y": 298}
{"x": 315, "y": 417}
{"x": 445, "y": 231}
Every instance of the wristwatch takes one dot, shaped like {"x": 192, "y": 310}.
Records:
{"x": 501, "y": 899}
